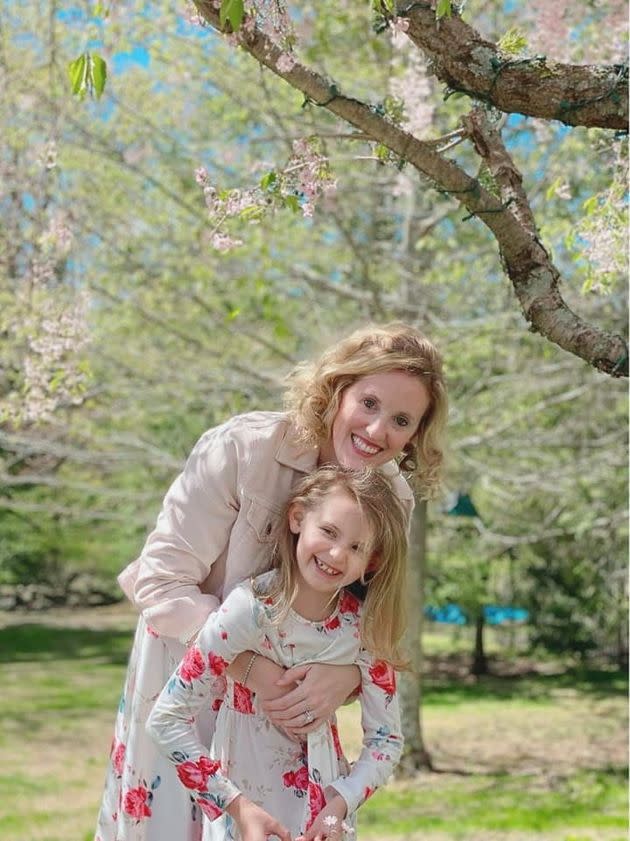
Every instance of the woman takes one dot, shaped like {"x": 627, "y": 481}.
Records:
{"x": 377, "y": 396}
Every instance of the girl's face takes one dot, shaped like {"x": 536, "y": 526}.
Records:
{"x": 377, "y": 416}
{"x": 332, "y": 547}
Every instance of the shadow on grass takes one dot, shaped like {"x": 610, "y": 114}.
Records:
{"x": 30, "y": 643}
{"x": 528, "y": 686}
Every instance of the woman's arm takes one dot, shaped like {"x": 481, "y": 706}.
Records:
{"x": 192, "y": 530}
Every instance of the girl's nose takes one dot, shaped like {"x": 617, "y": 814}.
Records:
{"x": 337, "y": 553}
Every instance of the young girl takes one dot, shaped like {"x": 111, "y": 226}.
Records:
{"x": 338, "y": 527}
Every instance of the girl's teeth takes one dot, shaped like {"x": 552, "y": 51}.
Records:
{"x": 365, "y": 448}
{"x": 326, "y": 569}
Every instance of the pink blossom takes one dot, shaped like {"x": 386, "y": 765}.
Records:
{"x": 285, "y": 63}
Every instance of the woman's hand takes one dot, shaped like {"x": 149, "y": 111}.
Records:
{"x": 319, "y": 690}
{"x": 254, "y": 824}
{"x": 327, "y": 825}
{"x": 263, "y": 676}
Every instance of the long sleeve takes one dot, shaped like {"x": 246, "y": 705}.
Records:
{"x": 192, "y": 530}
{"x": 382, "y": 734}
{"x": 198, "y": 680}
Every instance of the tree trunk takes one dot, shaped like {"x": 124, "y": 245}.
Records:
{"x": 480, "y": 661}
{"x": 415, "y": 755}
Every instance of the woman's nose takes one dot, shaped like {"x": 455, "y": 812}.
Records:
{"x": 376, "y": 430}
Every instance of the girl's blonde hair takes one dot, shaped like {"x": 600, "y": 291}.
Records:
{"x": 315, "y": 391}
{"x": 383, "y": 619}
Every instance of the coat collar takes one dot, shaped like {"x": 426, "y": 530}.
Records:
{"x": 295, "y": 455}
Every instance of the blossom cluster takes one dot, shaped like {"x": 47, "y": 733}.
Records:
{"x": 300, "y": 185}
{"x": 49, "y": 332}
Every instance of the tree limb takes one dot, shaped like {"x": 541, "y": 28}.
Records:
{"x": 530, "y": 269}
{"x": 577, "y": 95}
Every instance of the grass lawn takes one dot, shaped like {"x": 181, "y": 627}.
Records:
{"x": 532, "y": 754}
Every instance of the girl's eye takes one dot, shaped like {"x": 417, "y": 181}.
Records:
{"x": 328, "y": 532}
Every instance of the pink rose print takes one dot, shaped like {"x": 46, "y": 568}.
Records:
{"x": 191, "y": 775}
{"x": 135, "y": 803}
{"x": 118, "y": 759}
{"x": 349, "y": 603}
{"x": 192, "y": 666}
{"x": 210, "y": 810}
{"x": 152, "y": 632}
{"x": 332, "y": 624}
{"x": 335, "y": 737}
{"x": 243, "y": 699}
{"x": 368, "y": 792}
{"x": 195, "y": 774}
{"x": 217, "y": 664}
{"x": 209, "y": 766}
{"x": 217, "y": 704}
{"x": 316, "y": 801}
{"x": 296, "y": 779}
{"x": 383, "y": 676}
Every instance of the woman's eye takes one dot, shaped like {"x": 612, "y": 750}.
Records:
{"x": 401, "y": 420}
{"x": 369, "y": 403}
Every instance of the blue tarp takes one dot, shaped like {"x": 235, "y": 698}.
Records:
{"x": 494, "y": 614}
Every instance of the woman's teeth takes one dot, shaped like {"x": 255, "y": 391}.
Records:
{"x": 360, "y": 444}
{"x": 325, "y": 568}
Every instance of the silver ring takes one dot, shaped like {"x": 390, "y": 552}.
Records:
{"x": 309, "y": 718}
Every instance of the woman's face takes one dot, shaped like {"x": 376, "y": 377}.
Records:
{"x": 377, "y": 416}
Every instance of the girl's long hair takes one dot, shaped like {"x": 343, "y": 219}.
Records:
{"x": 315, "y": 391}
{"x": 383, "y": 615}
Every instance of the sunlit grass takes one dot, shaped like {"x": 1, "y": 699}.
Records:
{"x": 520, "y": 759}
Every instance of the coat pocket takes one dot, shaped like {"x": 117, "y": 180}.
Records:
{"x": 263, "y": 519}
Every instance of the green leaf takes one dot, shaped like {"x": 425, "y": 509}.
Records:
{"x": 268, "y": 180}
{"x": 292, "y": 203}
{"x": 78, "y": 73}
{"x": 234, "y": 11}
{"x": 443, "y": 9}
{"x": 99, "y": 74}
{"x": 513, "y": 42}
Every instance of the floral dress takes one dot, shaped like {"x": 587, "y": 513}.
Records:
{"x": 248, "y": 754}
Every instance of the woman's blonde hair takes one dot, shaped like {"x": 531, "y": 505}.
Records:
{"x": 383, "y": 618}
{"x": 315, "y": 391}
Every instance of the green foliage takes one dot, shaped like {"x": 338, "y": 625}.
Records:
{"x": 88, "y": 74}
{"x": 232, "y": 11}
{"x": 513, "y": 42}
{"x": 443, "y": 9}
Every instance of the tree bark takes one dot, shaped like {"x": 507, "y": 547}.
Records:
{"x": 415, "y": 755}
{"x": 577, "y": 95}
{"x": 480, "y": 661}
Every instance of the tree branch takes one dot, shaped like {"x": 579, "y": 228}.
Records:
{"x": 577, "y": 95}
{"x": 530, "y": 269}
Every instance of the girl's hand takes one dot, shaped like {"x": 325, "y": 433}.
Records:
{"x": 321, "y": 689}
{"x": 327, "y": 825}
{"x": 254, "y": 824}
